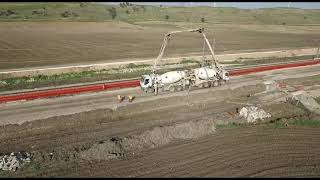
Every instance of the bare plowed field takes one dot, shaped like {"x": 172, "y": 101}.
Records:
{"x": 36, "y": 44}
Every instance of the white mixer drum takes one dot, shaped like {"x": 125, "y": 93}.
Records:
{"x": 172, "y": 77}
{"x": 205, "y": 73}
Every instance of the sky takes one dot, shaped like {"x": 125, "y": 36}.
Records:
{"x": 242, "y": 5}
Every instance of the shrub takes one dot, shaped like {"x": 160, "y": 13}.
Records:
{"x": 66, "y": 14}
{"x": 202, "y": 20}
{"x": 135, "y": 9}
{"x": 40, "y": 12}
{"x": 8, "y": 13}
{"x": 167, "y": 17}
{"x": 75, "y": 14}
{"x": 113, "y": 12}
{"x": 11, "y": 12}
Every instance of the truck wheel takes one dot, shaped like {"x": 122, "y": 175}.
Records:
{"x": 215, "y": 83}
{"x": 150, "y": 90}
{"x": 200, "y": 85}
{"x": 222, "y": 82}
{"x": 179, "y": 88}
{"x": 206, "y": 84}
{"x": 188, "y": 88}
{"x": 172, "y": 89}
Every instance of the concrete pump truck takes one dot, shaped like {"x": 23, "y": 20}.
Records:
{"x": 211, "y": 75}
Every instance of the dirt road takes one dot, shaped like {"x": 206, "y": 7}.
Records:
{"x": 99, "y": 118}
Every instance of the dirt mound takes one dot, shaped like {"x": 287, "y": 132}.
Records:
{"x": 252, "y": 113}
{"x": 155, "y": 137}
{"x": 307, "y": 101}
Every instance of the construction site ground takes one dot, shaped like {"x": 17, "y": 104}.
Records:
{"x": 79, "y": 131}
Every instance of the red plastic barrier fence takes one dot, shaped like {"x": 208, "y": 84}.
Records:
{"x": 272, "y": 67}
{"x": 131, "y": 83}
{"x": 67, "y": 91}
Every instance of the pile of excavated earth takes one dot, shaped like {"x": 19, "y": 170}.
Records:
{"x": 153, "y": 138}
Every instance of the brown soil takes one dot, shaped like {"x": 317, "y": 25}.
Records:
{"x": 254, "y": 150}
{"x": 35, "y": 44}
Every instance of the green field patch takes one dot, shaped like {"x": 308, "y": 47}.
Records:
{"x": 266, "y": 60}
{"x": 131, "y": 13}
{"x": 231, "y": 125}
{"x": 297, "y": 123}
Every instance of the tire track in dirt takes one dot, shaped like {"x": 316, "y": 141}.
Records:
{"x": 224, "y": 158}
{"x": 227, "y": 155}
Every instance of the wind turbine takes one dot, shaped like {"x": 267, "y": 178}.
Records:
{"x": 289, "y": 3}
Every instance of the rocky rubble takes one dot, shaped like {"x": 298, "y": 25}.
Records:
{"x": 252, "y": 113}
{"x": 14, "y": 161}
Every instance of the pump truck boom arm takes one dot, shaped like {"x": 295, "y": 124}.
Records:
{"x": 167, "y": 38}
{"x": 209, "y": 76}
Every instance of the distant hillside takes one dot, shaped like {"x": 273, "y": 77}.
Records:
{"x": 132, "y": 13}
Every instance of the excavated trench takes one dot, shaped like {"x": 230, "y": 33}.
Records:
{"x": 155, "y": 137}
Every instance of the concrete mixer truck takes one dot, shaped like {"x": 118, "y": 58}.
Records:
{"x": 203, "y": 77}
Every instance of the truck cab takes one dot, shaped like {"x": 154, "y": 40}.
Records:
{"x": 146, "y": 82}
